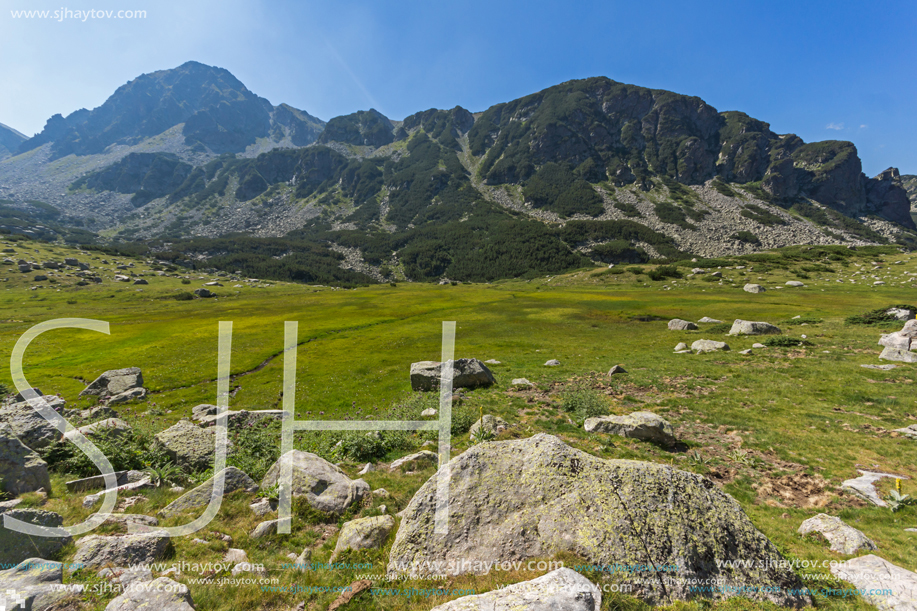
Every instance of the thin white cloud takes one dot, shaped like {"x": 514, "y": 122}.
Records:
{"x": 836, "y": 126}
{"x": 863, "y": 126}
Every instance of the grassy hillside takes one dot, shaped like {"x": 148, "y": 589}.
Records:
{"x": 779, "y": 429}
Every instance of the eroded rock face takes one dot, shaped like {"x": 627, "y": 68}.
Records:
{"x": 466, "y": 373}
{"x": 324, "y": 486}
{"x": 563, "y": 589}
{"x": 536, "y": 497}
{"x": 115, "y": 382}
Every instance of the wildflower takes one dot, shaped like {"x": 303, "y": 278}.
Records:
{"x": 898, "y": 484}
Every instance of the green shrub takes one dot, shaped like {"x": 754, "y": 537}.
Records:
{"x": 745, "y": 236}
{"x": 783, "y": 341}
{"x": 185, "y": 281}
{"x": 629, "y": 210}
{"x": 634, "y": 270}
{"x": 875, "y": 317}
{"x": 807, "y": 320}
{"x": 719, "y": 328}
{"x": 582, "y": 401}
{"x": 663, "y": 272}
{"x": 255, "y": 447}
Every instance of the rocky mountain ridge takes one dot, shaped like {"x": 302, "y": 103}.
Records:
{"x": 652, "y": 173}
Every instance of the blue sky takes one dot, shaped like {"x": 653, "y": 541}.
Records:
{"x": 823, "y": 70}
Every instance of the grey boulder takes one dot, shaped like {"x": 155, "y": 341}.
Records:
{"x": 364, "y": 533}
{"x": 707, "y": 319}
{"x": 466, "y": 373}
{"x": 887, "y": 586}
{"x": 97, "y": 551}
{"x": 749, "y": 327}
{"x": 113, "y": 427}
{"x": 16, "y": 546}
{"x": 538, "y": 497}
{"x": 188, "y": 445}
{"x": 560, "y": 590}
{"x": 414, "y": 462}
{"x": 21, "y": 469}
{"x": 324, "y": 485}
{"x": 161, "y": 594}
{"x": 844, "y": 539}
{"x": 708, "y": 345}
{"x": 493, "y": 425}
{"x": 677, "y": 324}
{"x": 35, "y": 582}
{"x": 645, "y": 426}
{"x": 753, "y": 288}
{"x": 114, "y": 382}
{"x": 28, "y": 425}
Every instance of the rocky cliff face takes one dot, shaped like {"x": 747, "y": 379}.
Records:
{"x": 909, "y": 182}
{"x": 632, "y": 134}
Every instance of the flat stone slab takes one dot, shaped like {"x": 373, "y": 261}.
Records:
{"x": 235, "y": 479}
{"x": 141, "y": 484}
{"x": 871, "y": 573}
{"x": 864, "y": 486}
{"x": 561, "y": 590}
{"x": 646, "y": 426}
{"x": 97, "y": 482}
{"x": 844, "y": 539}
{"x": 880, "y": 367}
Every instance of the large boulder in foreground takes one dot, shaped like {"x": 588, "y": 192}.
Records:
{"x": 21, "y": 469}
{"x": 563, "y": 590}
{"x": 466, "y": 373}
{"x": 537, "y": 497}
{"x": 901, "y": 345}
{"x": 114, "y": 382}
{"x": 751, "y": 327}
{"x": 324, "y": 485}
{"x": 37, "y": 583}
{"x": 16, "y": 546}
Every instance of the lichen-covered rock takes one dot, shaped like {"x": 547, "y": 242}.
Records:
{"x": 413, "y": 462}
{"x": 16, "y": 546}
{"x": 21, "y": 469}
{"x": 885, "y": 585}
{"x": 537, "y": 497}
{"x": 708, "y": 345}
{"x": 188, "y": 445}
{"x": 204, "y": 409}
{"x": 563, "y": 589}
{"x": 35, "y": 582}
{"x": 264, "y": 529}
{"x": 161, "y": 594}
{"x": 753, "y": 288}
{"x": 235, "y": 479}
{"x": 324, "y": 485}
{"x": 646, "y": 426}
{"x": 364, "y": 533}
{"x": 27, "y": 424}
{"x": 844, "y": 539}
{"x": 121, "y": 550}
{"x": 749, "y": 327}
{"x": 677, "y": 324}
{"x": 466, "y": 373}
{"x": 115, "y": 382}
{"x": 493, "y": 425}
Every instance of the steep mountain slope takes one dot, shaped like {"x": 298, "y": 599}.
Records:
{"x": 588, "y": 170}
{"x": 10, "y": 139}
